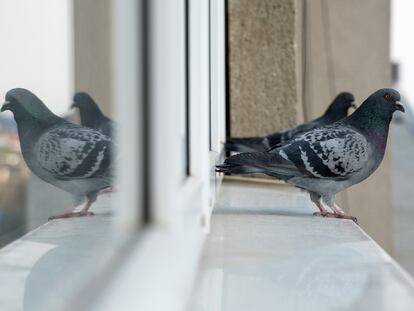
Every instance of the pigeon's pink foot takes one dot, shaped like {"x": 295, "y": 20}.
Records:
{"x": 341, "y": 214}
{"x": 324, "y": 214}
{"x": 106, "y": 190}
{"x": 72, "y": 215}
{"x": 82, "y": 213}
{"x": 346, "y": 216}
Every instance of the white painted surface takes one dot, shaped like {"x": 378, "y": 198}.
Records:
{"x": 127, "y": 82}
{"x": 267, "y": 252}
{"x": 51, "y": 265}
{"x": 16, "y": 262}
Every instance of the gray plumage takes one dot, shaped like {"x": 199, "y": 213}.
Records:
{"x": 336, "y": 111}
{"x": 329, "y": 159}
{"x": 90, "y": 114}
{"x": 71, "y": 157}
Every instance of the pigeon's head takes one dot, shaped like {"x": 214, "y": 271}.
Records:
{"x": 22, "y": 102}
{"x": 85, "y": 103}
{"x": 385, "y": 102}
{"x": 375, "y": 113}
{"x": 338, "y": 109}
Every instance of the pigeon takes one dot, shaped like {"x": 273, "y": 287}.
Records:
{"x": 71, "y": 157}
{"x": 90, "y": 114}
{"x": 336, "y": 111}
{"x": 327, "y": 160}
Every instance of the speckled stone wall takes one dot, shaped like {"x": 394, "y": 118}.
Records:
{"x": 262, "y": 69}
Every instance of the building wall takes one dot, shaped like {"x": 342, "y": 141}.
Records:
{"x": 92, "y": 40}
{"x": 261, "y": 36}
{"x": 289, "y": 58}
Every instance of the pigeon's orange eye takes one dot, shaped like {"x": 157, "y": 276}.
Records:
{"x": 387, "y": 96}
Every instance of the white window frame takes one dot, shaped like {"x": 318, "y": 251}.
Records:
{"x": 217, "y": 91}
{"x": 159, "y": 269}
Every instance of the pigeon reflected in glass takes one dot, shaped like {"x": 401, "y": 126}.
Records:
{"x": 71, "y": 157}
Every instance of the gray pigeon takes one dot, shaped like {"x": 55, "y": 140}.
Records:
{"x": 336, "y": 111}
{"x": 90, "y": 114}
{"x": 329, "y": 159}
{"x": 71, "y": 157}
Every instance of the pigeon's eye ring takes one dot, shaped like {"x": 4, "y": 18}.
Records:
{"x": 387, "y": 96}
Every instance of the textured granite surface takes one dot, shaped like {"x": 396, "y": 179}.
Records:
{"x": 263, "y": 92}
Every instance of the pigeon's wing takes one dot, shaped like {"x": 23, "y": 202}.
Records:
{"x": 73, "y": 152}
{"x": 328, "y": 152}
{"x": 259, "y": 162}
{"x": 279, "y": 139}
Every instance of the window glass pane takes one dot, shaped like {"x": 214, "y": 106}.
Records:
{"x": 37, "y": 55}
{"x": 73, "y": 82}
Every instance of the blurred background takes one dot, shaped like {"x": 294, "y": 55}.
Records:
{"x": 402, "y": 51}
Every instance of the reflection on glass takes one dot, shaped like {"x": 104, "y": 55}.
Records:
{"x": 60, "y": 52}
{"x": 39, "y": 58}
{"x": 13, "y": 183}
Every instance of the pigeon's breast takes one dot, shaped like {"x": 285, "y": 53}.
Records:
{"x": 82, "y": 187}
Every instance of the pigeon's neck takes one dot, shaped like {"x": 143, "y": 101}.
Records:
{"x": 334, "y": 115}
{"x": 91, "y": 117}
{"x": 32, "y": 127}
{"x": 373, "y": 124}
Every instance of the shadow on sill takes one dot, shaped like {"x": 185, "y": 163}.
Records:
{"x": 44, "y": 269}
{"x": 258, "y": 211}
{"x": 255, "y": 259}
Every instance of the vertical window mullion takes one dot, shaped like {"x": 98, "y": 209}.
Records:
{"x": 187, "y": 90}
{"x": 210, "y": 109}
{"x": 217, "y": 74}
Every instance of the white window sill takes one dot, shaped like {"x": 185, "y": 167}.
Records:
{"x": 45, "y": 268}
{"x": 88, "y": 264}
{"x": 267, "y": 252}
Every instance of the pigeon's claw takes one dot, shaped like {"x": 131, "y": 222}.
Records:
{"x": 106, "y": 190}
{"x": 346, "y": 216}
{"x": 335, "y": 214}
{"x": 71, "y": 215}
{"x": 339, "y": 212}
{"x": 325, "y": 214}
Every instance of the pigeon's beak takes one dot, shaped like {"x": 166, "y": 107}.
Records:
{"x": 6, "y": 106}
{"x": 354, "y": 106}
{"x": 74, "y": 105}
{"x": 398, "y": 106}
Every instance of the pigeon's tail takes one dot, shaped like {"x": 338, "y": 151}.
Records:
{"x": 235, "y": 169}
{"x": 273, "y": 147}
{"x": 259, "y": 162}
{"x": 246, "y": 144}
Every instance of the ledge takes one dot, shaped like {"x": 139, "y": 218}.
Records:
{"x": 266, "y": 251}
{"x": 47, "y": 267}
